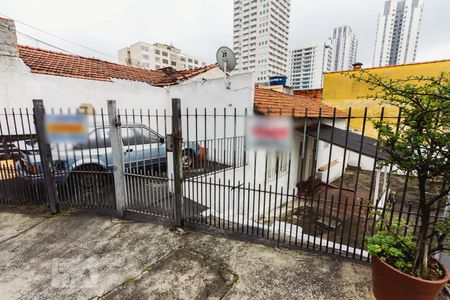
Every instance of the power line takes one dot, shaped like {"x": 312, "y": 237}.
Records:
{"x": 58, "y": 37}
{"x": 38, "y": 40}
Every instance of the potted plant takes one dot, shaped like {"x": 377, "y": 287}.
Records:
{"x": 418, "y": 144}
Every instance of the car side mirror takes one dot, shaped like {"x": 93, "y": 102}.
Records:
{"x": 161, "y": 140}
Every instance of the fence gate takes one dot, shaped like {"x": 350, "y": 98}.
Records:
{"x": 194, "y": 166}
{"x": 140, "y": 158}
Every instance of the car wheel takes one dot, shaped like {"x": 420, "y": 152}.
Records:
{"x": 187, "y": 159}
{"x": 87, "y": 178}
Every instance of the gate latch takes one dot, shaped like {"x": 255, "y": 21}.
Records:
{"x": 169, "y": 143}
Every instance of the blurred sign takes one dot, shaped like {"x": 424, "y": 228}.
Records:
{"x": 269, "y": 133}
{"x": 66, "y": 128}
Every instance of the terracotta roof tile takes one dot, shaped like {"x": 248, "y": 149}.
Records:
{"x": 269, "y": 102}
{"x": 67, "y": 65}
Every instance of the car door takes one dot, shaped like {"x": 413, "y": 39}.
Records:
{"x": 96, "y": 150}
{"x": 154, "y": 150}
{"x": 132, "y": 147}
{"x": 142, "y": 147}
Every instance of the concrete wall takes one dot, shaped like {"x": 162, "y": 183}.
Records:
{"x": 342, "y": 92}
{"x": 18, "y": 86}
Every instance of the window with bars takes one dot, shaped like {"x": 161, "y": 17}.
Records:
{"x": 277, "y": 164}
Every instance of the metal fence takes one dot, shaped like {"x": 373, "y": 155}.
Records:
{"x": 195, "y": 166}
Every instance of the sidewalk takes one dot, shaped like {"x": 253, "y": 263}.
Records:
{"x": 81, "y": 255}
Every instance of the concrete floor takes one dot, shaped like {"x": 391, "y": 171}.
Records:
{"x": 82, "y": 255}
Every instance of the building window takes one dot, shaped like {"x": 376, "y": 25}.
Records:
{"x": 196, "y": 62}
{"x": 157, "y": 51}
{"x": 158, "y": 67}
{"x": 144, "y": 48}
{"x": 165, "y": 54}
{"x": 190, "y": 60}
{"x": 173, "y": 63}
{"x": 165, "y": 61}
{"x": 277, "y": 164}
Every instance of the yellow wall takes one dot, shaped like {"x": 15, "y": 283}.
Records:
{"x": 342, "y": 92}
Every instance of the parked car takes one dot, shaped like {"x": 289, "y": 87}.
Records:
{"x": 143, "y": 149}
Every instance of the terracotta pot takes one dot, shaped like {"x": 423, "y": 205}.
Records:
{"x": 389, "y": 283}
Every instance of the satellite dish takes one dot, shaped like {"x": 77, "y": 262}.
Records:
{"x": 226, "y": 59}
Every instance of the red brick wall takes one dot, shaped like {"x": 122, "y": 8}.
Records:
{"x": 312, "y": 93}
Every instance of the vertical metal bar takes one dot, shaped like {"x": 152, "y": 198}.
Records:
{"x": 244, "y": 149}
{"x": 357, "y": 227}
{"x": 360, "y": 152}
{"x": 366, "y": 221}
{"x": 189, "y": 182}
{"x": 408, "y": 217}
{"x": 405, "y": 189}
{"x": 234, "y": 174}
{"x": 330, "y": 216}
{"x": 268, "y": 212}
{"x": 375, "y": 161}
{"x": 214, "y": 170}
{"x": 337, "y": 222}
{"x": 46, "y": 156}
{"x": 279, "y": 216}
{"x": 343, "y": 226}
{"x": 177, "y": 165}
{"x": 30, "y": 188}
{"x": 205, "y": 167}
{"x": 195, "y": 167}
{"x": 117, "y": 153}
{"x": 302, "y": 164}
{"x": 23, "y": 191}
{"x": 314, "y": 171}
{"x": 330, "y": 153}
{"x": 350, "y": 225}
{"x": 345, "y": 154}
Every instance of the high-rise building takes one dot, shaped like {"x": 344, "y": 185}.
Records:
{"x": 260, "y": 37}
{"x": 398, "y": 32}
{"x": 157, "y": 56}
{"x": 307, "y": 63}
{"x": 345, "y": 48}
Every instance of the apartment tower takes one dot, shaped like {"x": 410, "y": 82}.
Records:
{"x": 260, "y": 37}
{"x": 308, "y": 62}
{"x": 398, "y": 32}
{"x": 157, "y": 56}
{"x": 345, "y": 48}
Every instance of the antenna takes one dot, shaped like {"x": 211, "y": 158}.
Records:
{"x": 226, "y": 61}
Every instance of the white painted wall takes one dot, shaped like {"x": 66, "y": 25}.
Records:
{"x": 19, "y": 86}
{"x": 18, "y": 89}
{"x": 364, "y": 163}
{"x": 205, "y": 92}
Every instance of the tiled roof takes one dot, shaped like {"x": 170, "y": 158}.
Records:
{"x": 67, "y": 65}
{"x": 269, "y": 102}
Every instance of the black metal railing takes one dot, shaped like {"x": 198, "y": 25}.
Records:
{"x": 320, "y": 193}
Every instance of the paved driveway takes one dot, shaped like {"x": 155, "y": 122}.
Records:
{"x": 82, "y": 255}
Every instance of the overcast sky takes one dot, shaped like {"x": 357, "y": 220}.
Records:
{"x": 200, "y": 27}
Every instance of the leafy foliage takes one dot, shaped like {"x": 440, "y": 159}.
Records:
{"x": 394, "y": 248}
{"x": 418, "y": 144}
